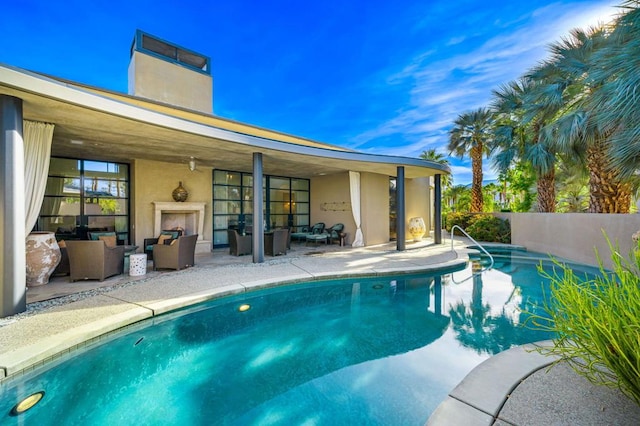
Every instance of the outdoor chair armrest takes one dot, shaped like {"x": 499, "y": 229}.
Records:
{"x": 150, "y": 241}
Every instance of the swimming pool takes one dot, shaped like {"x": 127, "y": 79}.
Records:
{"x": 381, "y": 350}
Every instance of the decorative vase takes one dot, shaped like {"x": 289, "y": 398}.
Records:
{"x": 43, "y": 255}
{"x": 180, "y": 194}
{"x": 417, "y": 228}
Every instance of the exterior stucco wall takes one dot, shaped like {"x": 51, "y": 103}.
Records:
{"x": 155, "y": 181}
{"x": 331, "y": 202}
{"x": 163, "y": 81}
{"x": 574, "y": 236}
{"x": 417, "y": 202}
{"x": 374, "y": 206}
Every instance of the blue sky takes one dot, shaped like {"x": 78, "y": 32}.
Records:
{"x": 386, "y": 77}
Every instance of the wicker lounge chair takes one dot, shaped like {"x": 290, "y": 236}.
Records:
{"x": 318, "y": 228}
{"x": 178, "y": 255}
{"x": 238, "y": 244}
{"x": 275, "y": 242}
{"x": 166, "y": 236}
{"x": 93, "y": 260}
{"x": 317, "y": 234}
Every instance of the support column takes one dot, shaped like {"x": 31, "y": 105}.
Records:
{"x": 258, "y": 211}
{"x": 401, "y": 227}
{"x": 437, "y": 207}
{"x": 13, "y": 291}
{"x": 437, "y": 295}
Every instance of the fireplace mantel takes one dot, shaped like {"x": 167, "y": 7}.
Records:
{"x": 186, "y": 208}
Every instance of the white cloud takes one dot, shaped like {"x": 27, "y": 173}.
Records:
{"x": 462, "y": 174}
{"x": 456, "y": 40}
{"x": 461, "y": 170}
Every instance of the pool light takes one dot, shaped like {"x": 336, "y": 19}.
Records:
{"x": 244, "y": 308}
{"x": 27, "y": 403}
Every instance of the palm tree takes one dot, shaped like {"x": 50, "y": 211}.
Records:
{"x": 492, "y": 193}
{"x": 617, "y": 100}
{"x": 453, "y": 194}
{"x": 574, "y": 199}
{"x": 436, "y": 157}
{"x": 472, "y": 133}
{"x": 573, "y": 196}
{"x": 520, "y": 117}
{"x": 575, "y": 130}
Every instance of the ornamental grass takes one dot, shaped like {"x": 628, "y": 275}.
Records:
{"x": 597, "y": 322}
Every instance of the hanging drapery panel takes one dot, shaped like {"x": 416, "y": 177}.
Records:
{"x": 37, "y": 153}
{"x": 354, "y": 184}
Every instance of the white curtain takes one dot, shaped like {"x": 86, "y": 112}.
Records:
{"x": 354, "y": 183}
{"x": 37, "y": 152}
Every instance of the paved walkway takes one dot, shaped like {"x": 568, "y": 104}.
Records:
{"x": 512, "y": 388}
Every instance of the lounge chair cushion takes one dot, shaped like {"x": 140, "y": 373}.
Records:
{"x": 149, "y": 242}
{"x": 109, "y": 240}
{"x": 164, "y": 237}
{"x": 318, "y": 228}
{"x": 318, "y": 237}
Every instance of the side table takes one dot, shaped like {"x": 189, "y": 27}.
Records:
{"x": 137, "y": 264}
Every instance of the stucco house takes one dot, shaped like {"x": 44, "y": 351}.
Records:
{"x": 111, "y": 160}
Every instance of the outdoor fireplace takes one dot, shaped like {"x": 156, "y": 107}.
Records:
{"x": 187, "y": 215}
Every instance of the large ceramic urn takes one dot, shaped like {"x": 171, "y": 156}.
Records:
{"x": 417, "y": 228}
{"x": 43, "y": 255}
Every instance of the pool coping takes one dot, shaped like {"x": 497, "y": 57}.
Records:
{"x": 473, "y": 402}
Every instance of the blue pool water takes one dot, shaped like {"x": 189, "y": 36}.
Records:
{"x": 383, "y": 350}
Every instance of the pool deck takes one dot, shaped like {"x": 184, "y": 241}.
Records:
{"x": 511, "y": 388}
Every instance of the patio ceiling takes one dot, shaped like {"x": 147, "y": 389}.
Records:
{"x": 94, "y": 124}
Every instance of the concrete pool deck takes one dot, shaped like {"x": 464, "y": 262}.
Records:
{"x": 512, "y": 388}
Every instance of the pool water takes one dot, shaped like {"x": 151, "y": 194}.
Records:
{"x": 383, "y": 350}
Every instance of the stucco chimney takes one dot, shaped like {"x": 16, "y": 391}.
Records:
{"x": 171, "y": 74}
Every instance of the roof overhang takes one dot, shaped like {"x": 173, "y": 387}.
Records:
{"x": 95, "y": 124}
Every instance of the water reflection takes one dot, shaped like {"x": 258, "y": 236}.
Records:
{"x": 492, "y": 320}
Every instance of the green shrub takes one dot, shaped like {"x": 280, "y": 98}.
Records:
{"x": 462, "y": 219}
{"x": 597, "y": 323}
{"x": 490, "y": 228}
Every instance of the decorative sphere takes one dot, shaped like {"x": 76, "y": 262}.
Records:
{"x": 180, "y": 194}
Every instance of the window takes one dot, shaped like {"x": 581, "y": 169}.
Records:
{"x": 286, "y": 203}
{"x": 232, "y": 203}
{"x": 83, "y": 196}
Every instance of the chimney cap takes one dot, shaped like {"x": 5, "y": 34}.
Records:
{"x": 171, "y": 52}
